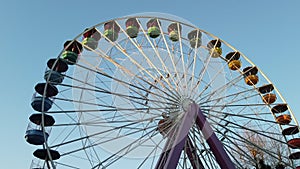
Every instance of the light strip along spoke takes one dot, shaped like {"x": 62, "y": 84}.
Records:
{"x": 159, "y": 57}
{"x": 96, "y": 122}
{"x": 207, "y": 85}
{"x": 182, "y": 58}
{"x": 205, "y": 66}
{"x": 108, "y": 110}
{"x": 130, "y": 147}
{"x": 137, "y": 64}
{"x": 171, "y": 56}
{"x": 132, "y": 74}
{"x": 128, "y": 97}
{"x": 194, "y": 63}
{"x": 145, "y": 56}
{"x": 132, "y": 85}
{"x": 106, "y": 106}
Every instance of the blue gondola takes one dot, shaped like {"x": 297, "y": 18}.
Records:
{"x": 36, "y": 137}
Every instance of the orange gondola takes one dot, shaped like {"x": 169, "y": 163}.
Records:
{"x": 283, "y": 119}
{"x": 269, "y": 98}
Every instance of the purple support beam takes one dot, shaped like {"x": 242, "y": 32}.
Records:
{"x": 162, "y": 159}
{"x": 177, "y": 140}
{"x": 169, "y": 158}
{"x": 214, "y": 143}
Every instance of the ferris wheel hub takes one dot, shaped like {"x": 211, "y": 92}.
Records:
{"x": 185, "y": 104}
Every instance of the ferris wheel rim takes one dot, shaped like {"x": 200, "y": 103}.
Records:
{"x": 122, "y": 18}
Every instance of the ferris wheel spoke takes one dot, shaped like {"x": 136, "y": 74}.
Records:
{"x": 99, "y": 123}
{"x": 67, "y": 165}
{"x": 241, "y": 127}
{"x": 205, "y": 107}
{"x": 142, "y": 88}
{"x": 228, "y": 148}
{"x": 70, "y": 132}
{"x": 108, "y": 58}
{"x": 246, "y": 141}
{"x": 191, "y": 151}
{"x": 208, "y": 159}
{"x": 100, "y": 133}
{"x": 150, "y": 63}
{"x": 155, "y": 148}
{"x": 232, "y": 95}
{"x": 253, "y": 116}
{"x": 130, "y": 98}
{"x": 166, "y": 68}
{"x": 196, "y": 137}
{"x": 226, "y": 86}
{"x": 203, "y": 70}
{"x": 109, "y": 108}
{"x": 99, "y": 143}
{"x": 182, "y": 59}
{"x": 213, "y": 79}
{"x": 106, "y": 110}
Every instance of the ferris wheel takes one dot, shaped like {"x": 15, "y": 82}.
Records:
{"x": 155, "y": 91}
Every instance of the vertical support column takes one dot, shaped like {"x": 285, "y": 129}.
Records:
{"x": 214, "y": 143}
{"x": 176, "y": 141}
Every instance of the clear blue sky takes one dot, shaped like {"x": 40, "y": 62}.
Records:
{"x": 266, "y": 31}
